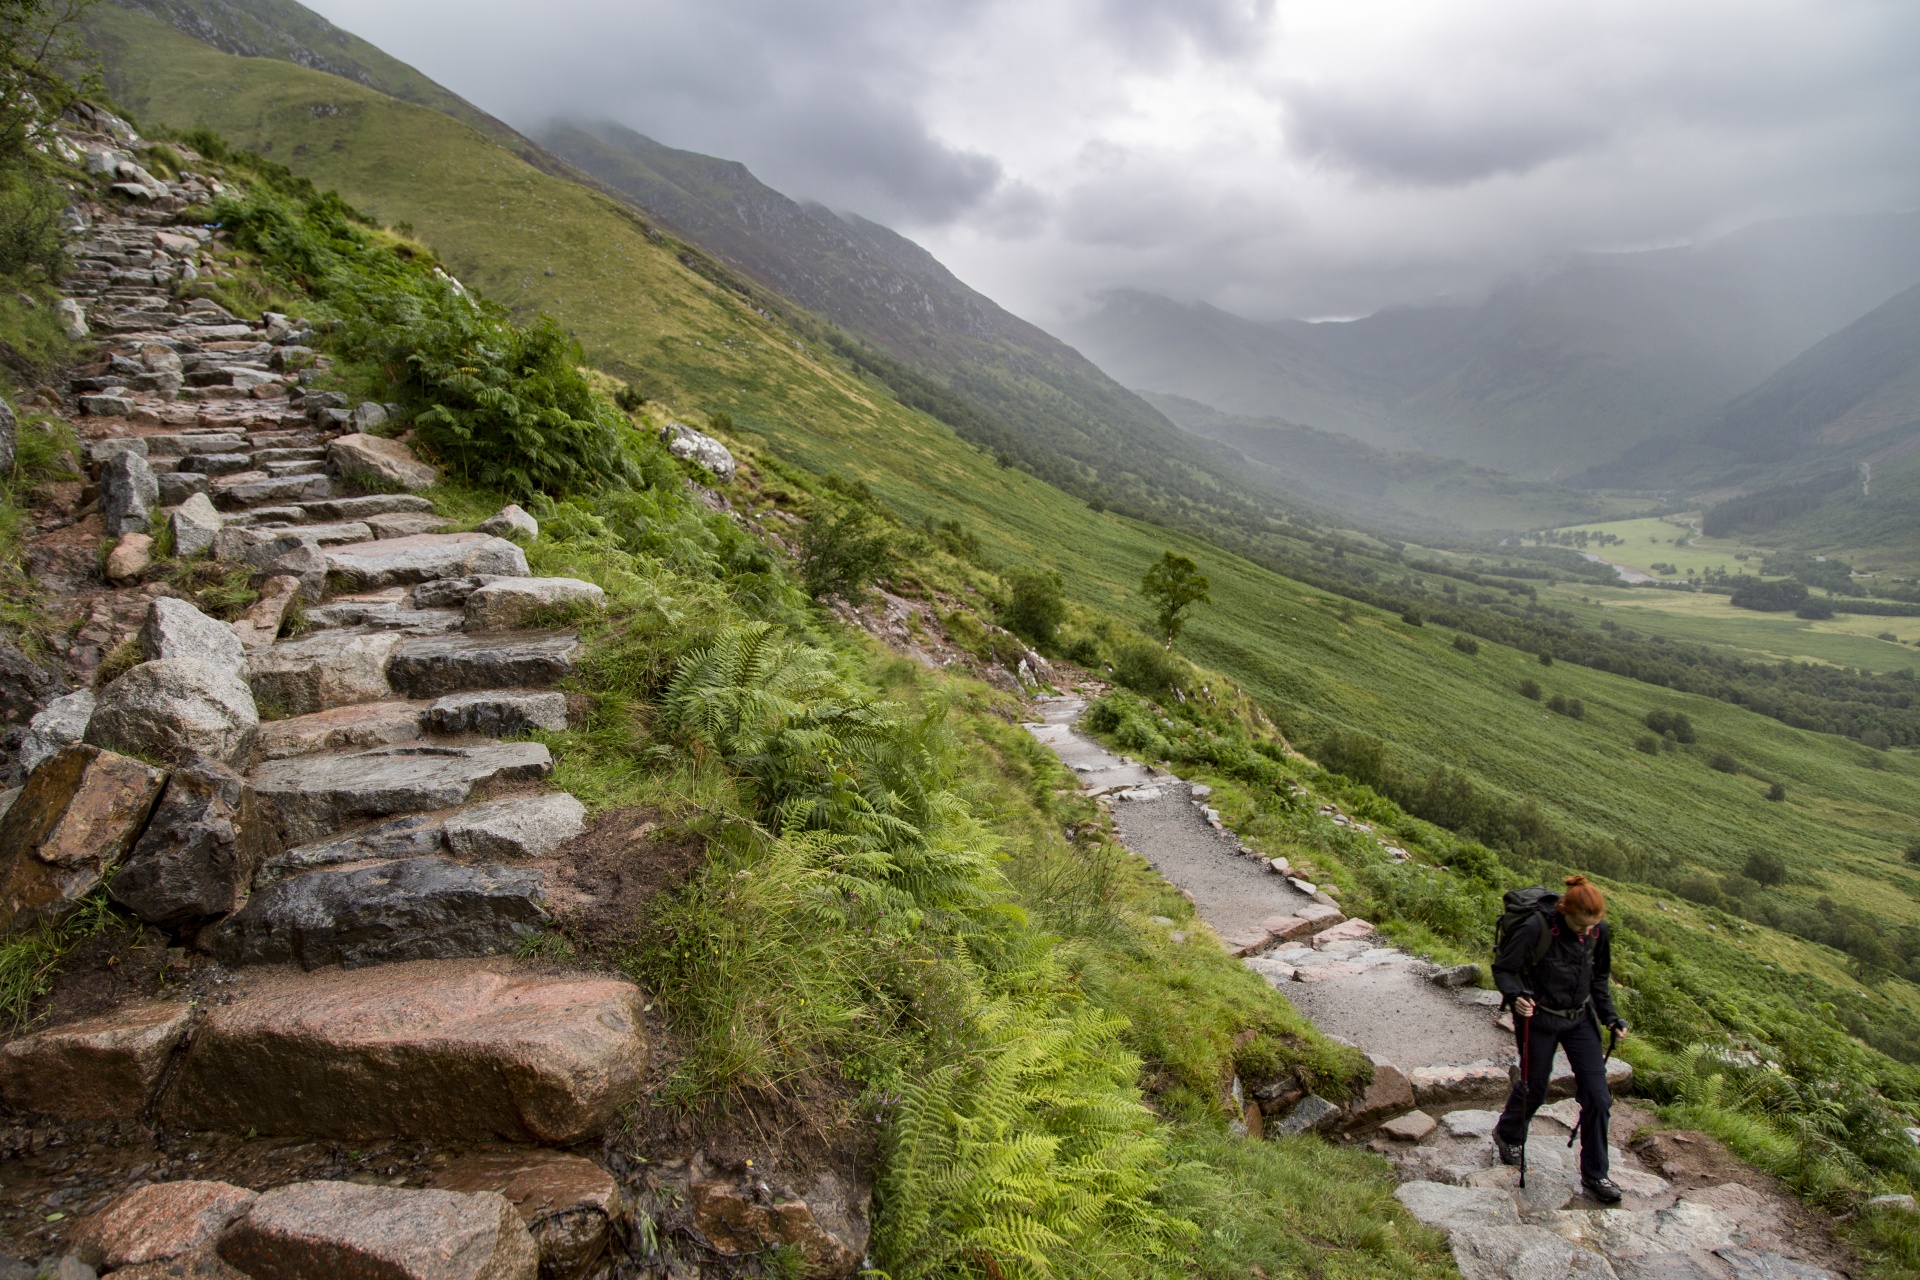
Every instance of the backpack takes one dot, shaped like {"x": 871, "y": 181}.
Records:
{"x": 1516, "y": 908}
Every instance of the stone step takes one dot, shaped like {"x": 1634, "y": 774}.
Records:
{"x": 367, "y": 724}
{"x": 283, "y": 469}
{"x": 434, "y": 666}
{"x": 463, "y": 1050}
{"x": 311, "y": 797}
{"x": 430, "y": 908}
{"x": 423, "y": 557}
{"x": 264, "y": 490}
{"x": 389, "y": 610}
{"x": 414, "y": 836}
{"x": 331, "y": 668}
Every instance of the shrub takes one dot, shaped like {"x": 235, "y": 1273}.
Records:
{"x": 1359, "y": 756}
{"x": 1576, "y": 709}
{"x": 1528, "y": 689}
{"x": 1546, "y": 659}
{"x": 30, "y": 234}
{"x": 1815, "y": 609}
{"x": 1913, "y": 850}
{"x": 1035, "y": 607}
{"x": 842, "y": 551}
{"x": 1557, "y": 704}
{"x": 1878, "y": 739}
{"x": 1673, "y": 722}
{"x": 1085, "y": 651}
{"x": 1778, "y": 791}
{"x": 1700, "y": 888}
{"x": 1648, "y": 743}
{"x": 1764, "y": 868}
{"x": 1769, "y": 597}
{"x": 1721, "y": 762}
{"x": 1466, "y": 644}
{"x": 1145, "y": 668}
{"x": 1414, "y": 618}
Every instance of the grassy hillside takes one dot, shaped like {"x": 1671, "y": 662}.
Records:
{"x": 1318, "y": 662}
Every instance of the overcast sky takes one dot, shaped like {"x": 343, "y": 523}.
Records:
{"x": 1312, "y": 158}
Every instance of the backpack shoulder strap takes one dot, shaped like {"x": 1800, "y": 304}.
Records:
{"x": 1542, "y": 942}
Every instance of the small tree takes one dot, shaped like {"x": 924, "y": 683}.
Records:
{"x": 1778, "y": 791}
{"x": 1174, "y": 586}
{"x": 842, "y": 551}
{"x": 1765, "y": 868}
{"x": 1722, "y": 762}
{"x": 1466, "y": 644}
{"x": 1530, "y": 689}
{"x": 1035, "y": 608}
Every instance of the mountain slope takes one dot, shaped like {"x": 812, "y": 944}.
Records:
{"x": 1419, "y": 493}
{"x": 1557, "y": 372}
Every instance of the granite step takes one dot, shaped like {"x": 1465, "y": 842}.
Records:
{"x": 311, "y": 797}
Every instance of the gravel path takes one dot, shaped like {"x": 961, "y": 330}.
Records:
{"x": 1394, "y": 1011}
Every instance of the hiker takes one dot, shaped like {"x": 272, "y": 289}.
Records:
{"x": 1552, "y": 965}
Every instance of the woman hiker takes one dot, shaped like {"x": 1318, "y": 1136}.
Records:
{"x": 1558, "y": 990}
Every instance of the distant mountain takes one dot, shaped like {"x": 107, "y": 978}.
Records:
{"x": 1558, "y": 372}
{"x": 1411, "y": 493}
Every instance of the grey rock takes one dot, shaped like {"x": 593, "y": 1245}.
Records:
{"x": 400, "y": 561}
{"x": 1486, "y": 1252}
{"x": 1411, "y": 1127}
{"x": 433, "y": 666}
{"x": 1311, "y": 1114}
{"x": 343, "y": 1229}
{"x": 1893, "y": 1204}
{"x": 498, "y": 713}
{"x": 1470, "y": 1124}
{"x": 200, "y": 850}
{"x": 128, "y": 493}
{"x": 327, "y": 669}
{"x": 195, "y": 523}
{"x": 279, "y": 489}
{"x": 184, "y": 444}
{"x": 305, "y": 565}
{"x": 1685, "y": 1225}
{"x": 176, "y": 487}
{"x": 510, "y": 521}
{"x": 366, "y": 724}
{"x": 106, "y": 405}
{"x": 416, "y": 909}
{"x": 371, "y": 505}
{"x": 693, "y": 446}
{"x": 414, "y": 836}
{"x": 519, "y": 827}
{"x": 98, "y": 451}
{"x": 443, "y": 593}
{"x": 312, "y": 797}
{"x": 1460, "y": 975}
{"x": 1757, "y": 1264}
{"x": 216, "y": 464}
{"x": 1661, "y": 1266}
{"x": 175, "y": 629}
{"x": 260, "y": 624}
{"x": 62, "y": 723}
{"x": 1448, "y": 1208}
{"x": 175, "y": 709}
{"x": 368, "y": 415}
{"x": 366, "y": 458}
{"x": 73, "y": 319}
{"x": 512, "y": 603}
{"x": 407, "y": 524}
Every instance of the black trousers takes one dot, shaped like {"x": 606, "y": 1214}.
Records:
{"x": 1581, "y": 1041}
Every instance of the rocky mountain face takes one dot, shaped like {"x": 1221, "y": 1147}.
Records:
{"x": 1550, "y": 375}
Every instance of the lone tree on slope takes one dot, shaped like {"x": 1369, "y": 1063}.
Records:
{"x": 1174, "y": 585}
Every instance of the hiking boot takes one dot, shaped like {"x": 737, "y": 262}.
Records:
{"x": 1509, "y": 1152}
{"x": 1602, "y": 1189}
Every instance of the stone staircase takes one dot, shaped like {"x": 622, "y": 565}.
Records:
{"x": 347, "y": 819}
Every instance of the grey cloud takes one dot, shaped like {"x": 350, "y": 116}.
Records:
{"x": 1397, "y": 137}
{"x": 1152, "y": 30}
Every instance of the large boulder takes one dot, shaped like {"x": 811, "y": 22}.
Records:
{"x": 159, "y": 1222}
{"x": 456, "y": 1049}
{"x": 76, "y": 817}
{"x": 520, "y": 602}
{"x": 326, "y": 669}
{"x": 518, "y": 827}
{"x": 59, "y": 724}
{"x": 175, "y": 629}
{"x": 391, "y": 562}
{"x": 128, "y": 493}
{"x": 175, "y": 709}
{"x": 199, "y": 853}
{"x": 683, "y": 441}
{"x": 195, "y": 525}
{"x": 379, "y": 462}
{"x": 103, "y": 1068}
{"x": 416, "y": 909}
{"x": 344, "y": 1229}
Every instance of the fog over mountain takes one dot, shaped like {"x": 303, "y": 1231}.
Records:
{"x": 1320, "y": 158}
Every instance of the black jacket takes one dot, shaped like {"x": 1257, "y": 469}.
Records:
{"x": 1573, "y": 970}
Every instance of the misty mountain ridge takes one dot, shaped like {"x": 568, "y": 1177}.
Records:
{"x": 1553, "y": 373}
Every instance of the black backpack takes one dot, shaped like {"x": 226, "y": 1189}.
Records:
{"x": 1516, "y": 908}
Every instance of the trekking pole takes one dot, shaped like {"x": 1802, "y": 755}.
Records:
{"x": 1526, "y": 1087}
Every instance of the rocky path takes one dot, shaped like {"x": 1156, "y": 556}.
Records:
{"x": 331, "y": 806}
{"x": 1442, "y": 1055}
